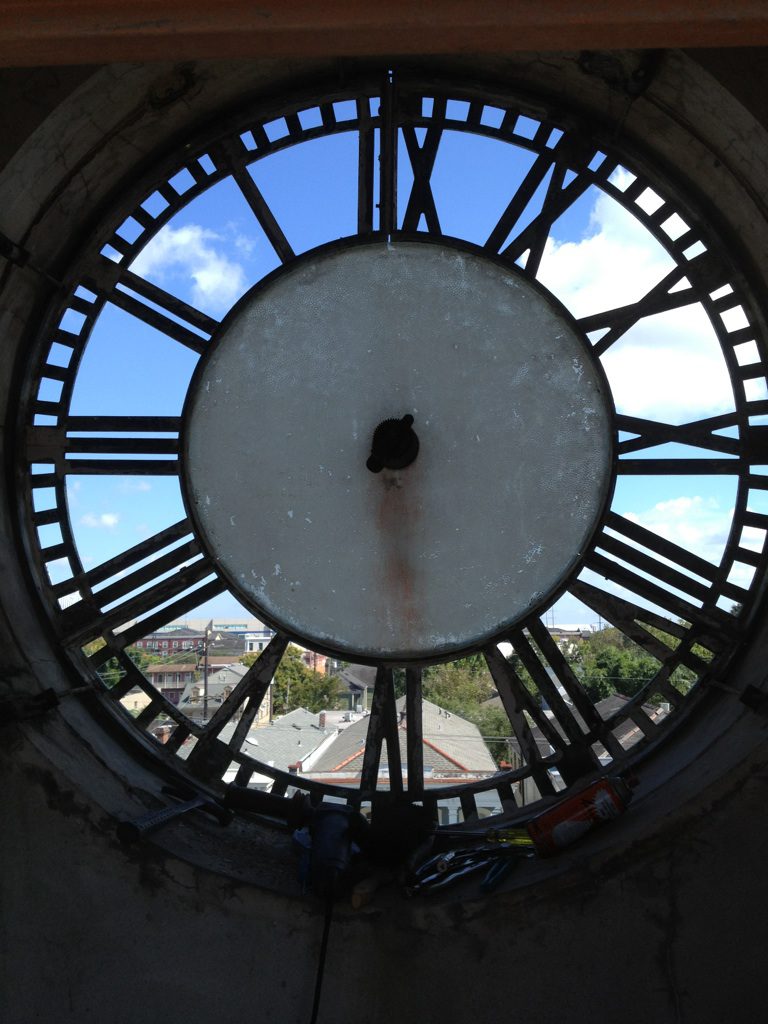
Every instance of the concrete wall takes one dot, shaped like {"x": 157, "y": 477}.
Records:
{"x": 669, "y": 926}
{"x": 659, "y": 918}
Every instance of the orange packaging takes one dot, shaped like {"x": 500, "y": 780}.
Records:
{"x": 568, "y": 821}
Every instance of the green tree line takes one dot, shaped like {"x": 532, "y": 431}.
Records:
{"x": 295, "y": 685}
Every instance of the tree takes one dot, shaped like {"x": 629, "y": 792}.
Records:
{"x": 464, "y": 687}
{"x": 496, "y": 731}
{"x": 297, "y": 686}
{"x": 608, "y": 662}
{"x": 459, "y": 686}
{"x": 111, "y": 672}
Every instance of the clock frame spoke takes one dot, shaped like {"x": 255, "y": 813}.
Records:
{"x": 262, "y": 212}
{"x": 552, "y": 660}
{"x": 65, "y": 446}
{"x": 659, "y": 299}
{"x": 211, "y": 756}
{"x": 388, "y": 159}
{"x": 382, "y": 728}
{"x": 517, "y": 704}
{"x": 414, "y": 731}
{"x": 365, "y": 166}
{"x": 636, "y": 623}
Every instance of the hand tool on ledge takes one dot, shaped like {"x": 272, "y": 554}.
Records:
{"x": 133, "y": 830}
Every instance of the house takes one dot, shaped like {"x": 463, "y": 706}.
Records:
{"x": 358, "y": 681}
{"x": 220, "y": 686}
{"x": 167, "y": 642}
{"x": 171, "y": 678}
{"x": 256, "y": 640}
{"x": 454, "y": 751}
{"x": 626, "y": 733}
{"x": 287, "y": 743}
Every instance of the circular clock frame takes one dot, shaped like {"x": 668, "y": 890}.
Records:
{"x": 717, "y": 281}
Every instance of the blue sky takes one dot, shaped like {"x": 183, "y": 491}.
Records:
{"x": 668, "y": 367}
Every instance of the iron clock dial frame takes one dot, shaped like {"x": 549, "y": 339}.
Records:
{"x": 161, "y": 578}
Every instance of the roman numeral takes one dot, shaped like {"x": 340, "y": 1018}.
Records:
{"x": 517, "y": 703}
{"x": 634, "y": 622}
{"x": 161, "y": 616}
{"x": 697, "y": 434}
{"x": 752, "y": 445}
{"x": 365, "y": 167}
{"x": 421, "y": 202}
{"x": 382, "y": 727}
{"x": 68, "y": 451}
{"x": 210, "y": 756}
{"x": 152, "y": 305}
{"x": 228, "y": 157}
{"x": 263, "y": 213}
{"x": 171, "y": 309}
{"x": 131, "y": 589}
{"x": 660, "y": 299}
{"x": 678, "y": 467}
{"x": 518, "y": 202}
{"x": 543, "y": 659}
{"x": 654, "y": 562}
{"x": 568, "y": 155}
{"x": 414, "y": 731}
{"x": 388, "y": 160}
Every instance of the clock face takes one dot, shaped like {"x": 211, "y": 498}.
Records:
{"x": 490, "y": 378}
{"x": 513, "y": 420}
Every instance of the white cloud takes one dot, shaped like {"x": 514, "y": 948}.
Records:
{"x": 616, "y": 264}
{"x": 244, "y": 245}
{"x": 134, "y": 486}
{"x": 668, "y": 367}
{"x": 216, "y": 280}
{"x": 108, "y": 520}
{"x": 698, "y": 524}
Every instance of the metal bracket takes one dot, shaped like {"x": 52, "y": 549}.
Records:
{"x": 13, "y": 252}
{"x": 754, "y": 698}
{"x": 18, "y": 256}
{"x": 22, "y": 706}
{"x": 614, "y": 71}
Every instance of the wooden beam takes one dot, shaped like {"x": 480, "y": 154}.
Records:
{"x": 57, "y": 32}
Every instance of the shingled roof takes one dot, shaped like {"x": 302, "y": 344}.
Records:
{"x": 285, "y": 742}
{"x": 452, "y": 746}
{"x": 627, "y": 732}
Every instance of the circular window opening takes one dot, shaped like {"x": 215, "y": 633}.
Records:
{"x": 405, "y": 441}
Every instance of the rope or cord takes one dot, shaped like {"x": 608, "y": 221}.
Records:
{"x": 323, "y": 951}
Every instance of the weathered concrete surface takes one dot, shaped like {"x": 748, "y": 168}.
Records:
{"x": 670, "y": 930}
